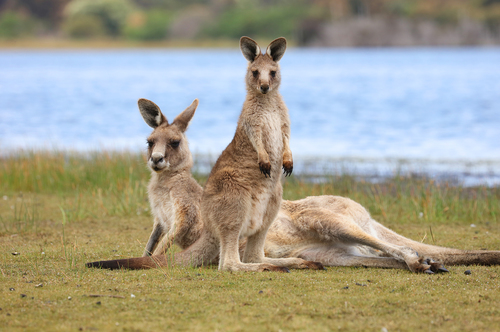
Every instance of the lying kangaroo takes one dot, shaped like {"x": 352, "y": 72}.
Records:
{"x": 332, "y": 230}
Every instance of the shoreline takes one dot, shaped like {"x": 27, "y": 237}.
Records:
{"x": 118, "y": 44}
{"x": 112, "y": 44}
{"x": 320, "y": 169}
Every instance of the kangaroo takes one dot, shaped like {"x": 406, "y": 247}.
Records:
{"x": 174, "y": 195}
{"x": 172, "y": 191}
{"x": 332, "y": 230}
{"x": 243, "y": 192}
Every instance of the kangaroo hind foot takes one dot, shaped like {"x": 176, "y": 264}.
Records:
{"x": 427, "y": 265}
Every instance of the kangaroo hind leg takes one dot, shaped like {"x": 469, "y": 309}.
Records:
{"x": 230, "y": 256}
{"x": 255, "y": 245}
{"x": 337, "y": 256}
{"x": 338, "y": 228}
{"x": 228, "y": 226}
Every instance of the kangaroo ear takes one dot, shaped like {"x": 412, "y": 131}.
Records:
{"x": 182, "y": 120}
{"x": 249, "y": 48}
{"x": 151, "y": 113}
{"x": 277, "y": 48}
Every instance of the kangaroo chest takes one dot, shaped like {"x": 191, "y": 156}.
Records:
{"x": 272, "y": 136}
{"x": 164, "y": 211}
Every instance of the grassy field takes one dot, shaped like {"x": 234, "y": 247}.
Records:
{"x": 60, "y": 210}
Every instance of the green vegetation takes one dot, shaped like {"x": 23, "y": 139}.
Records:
{"x": 59, "y": 210}
{"x": 106, "y": 184}
{"x": 252, "y": 20}
{"x": 304, "y": 22}
{"x": 150, "y": 25}
{"x": 111, "y": 14}
{"x": 14, "y": 25}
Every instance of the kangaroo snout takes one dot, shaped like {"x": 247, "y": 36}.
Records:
{"x": 157, "y": 158}
{"x": 157, "y": 161}
{"x": 264, "y": 88}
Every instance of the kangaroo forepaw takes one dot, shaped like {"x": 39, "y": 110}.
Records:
{"x": 265, "y": 168}
{"x": 314, "y": 265}
{"x": 287, "y": 167}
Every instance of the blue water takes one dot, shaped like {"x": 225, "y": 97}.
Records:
{"x": 431, "y": 104}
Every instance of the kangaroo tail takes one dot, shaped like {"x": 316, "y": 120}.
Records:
{"x": 451, "y": 256}
{"x": 469, "y": 257}
{"x": 203, "y": 252}
{"x": 137, "y": 263}
{"x": 445, "y": 255}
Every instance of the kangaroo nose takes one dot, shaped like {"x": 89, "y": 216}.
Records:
{"x": 156, "y": 158}
{"x": 264, "y": 88}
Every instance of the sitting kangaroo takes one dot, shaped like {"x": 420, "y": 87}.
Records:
{"x": 332, "y": 230}
{"x": 173, "y": 193}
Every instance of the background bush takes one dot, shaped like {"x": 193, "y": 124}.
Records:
{"x": 252, "y": 20}
{"x": 149, "y": 25}
{"x": 84, "y": 26}
{"x": 14, "y": 25}
{"x": 112, "y": 14}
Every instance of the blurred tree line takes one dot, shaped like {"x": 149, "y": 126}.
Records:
{"x": 307, "y": 22}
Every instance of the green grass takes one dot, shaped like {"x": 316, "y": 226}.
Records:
{"x": 59, "y": 210}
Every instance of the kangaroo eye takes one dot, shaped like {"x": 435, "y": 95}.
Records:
{"x": 150, "y": 143}
{"x": 255, "y": 73}
{"x": 174, "y": 144}
{"x": 273, "y": 73}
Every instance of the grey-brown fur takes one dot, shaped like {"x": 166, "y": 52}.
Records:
{"x": 243, "y": 192}
{"x": 171, "y": 190}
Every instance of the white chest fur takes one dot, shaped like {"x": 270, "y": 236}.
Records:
{"x": 272, "y": 136}
{"x": 164, "y": 213}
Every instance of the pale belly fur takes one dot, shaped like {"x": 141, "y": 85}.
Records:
{"x": 254, "y": 219}
{"x": 164, "y": 213}
{"x": 273, "y": 141}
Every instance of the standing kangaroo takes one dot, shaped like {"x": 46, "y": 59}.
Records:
{"x": 332, "y": 230}
{"x": 243, "y": 192}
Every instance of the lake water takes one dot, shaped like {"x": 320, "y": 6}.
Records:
{"x": 439, "y": 107}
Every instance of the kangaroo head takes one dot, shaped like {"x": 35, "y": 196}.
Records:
{"x": 168, "y": 148}
{"x": 263, "y": 73}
